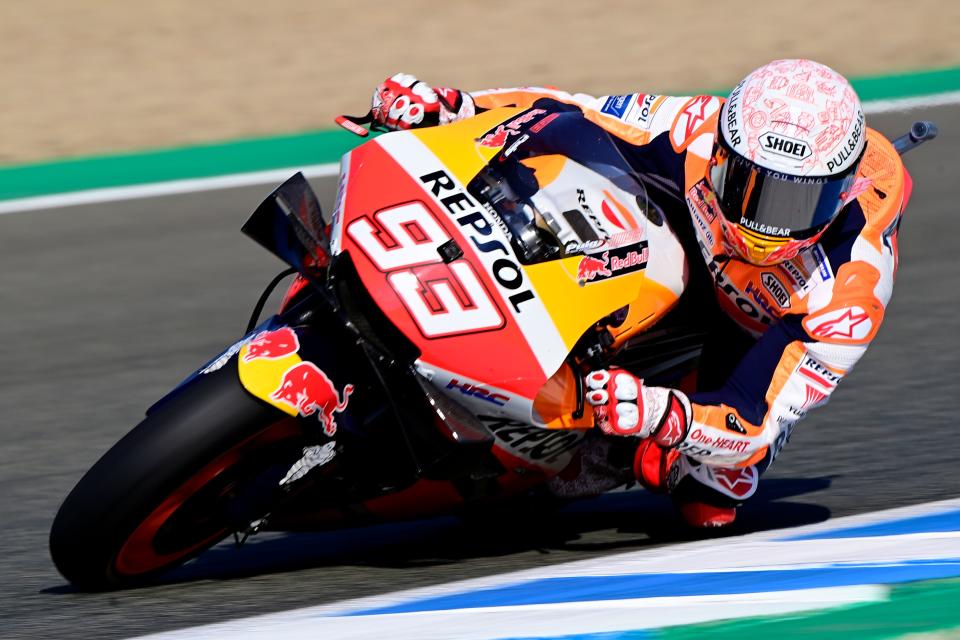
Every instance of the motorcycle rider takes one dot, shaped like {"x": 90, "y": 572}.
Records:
{"x": 794, "y": 207}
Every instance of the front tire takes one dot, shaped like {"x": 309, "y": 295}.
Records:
{"x": 169, "y": 489}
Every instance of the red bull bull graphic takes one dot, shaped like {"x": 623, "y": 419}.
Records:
{"x": 590, "y": 267}
{"x": 307, "y": 389}
{"x": 498, "y": 137}
{"x": 272, "y": 345}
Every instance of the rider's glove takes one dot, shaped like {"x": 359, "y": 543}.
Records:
{"x": 623, "y": 406}
{"x": 403, "y": 102}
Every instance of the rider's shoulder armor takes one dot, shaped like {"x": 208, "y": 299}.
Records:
{"x": 840, "y": 285}
{"x": 863, "y": 250}
{"x": 637, "y": 118}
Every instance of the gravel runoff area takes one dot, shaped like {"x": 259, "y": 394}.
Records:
{"x": 91, "y": 77}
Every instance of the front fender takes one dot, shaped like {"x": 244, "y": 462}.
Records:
{"x": 292, "y": 368}
{"x": 267, "y": 357}
{"x": 226, "y": 358}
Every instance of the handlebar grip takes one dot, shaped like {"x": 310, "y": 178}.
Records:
{"x": 923, "y": 130}
{"x": 920, "y": 132}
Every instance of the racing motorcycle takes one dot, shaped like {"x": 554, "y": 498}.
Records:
{"x": 427, "y": 357}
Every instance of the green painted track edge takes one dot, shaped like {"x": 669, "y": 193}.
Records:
{"x": 308, "y": 148}
{"x": 918, "y": 607}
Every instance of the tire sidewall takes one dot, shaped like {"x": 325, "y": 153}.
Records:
{"x": 207, "y": 418}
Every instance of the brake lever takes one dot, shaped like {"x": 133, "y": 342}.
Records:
{"x": 581, "y": 395}
{"x": 354, "y": 124}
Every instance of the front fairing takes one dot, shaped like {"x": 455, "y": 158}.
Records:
{"x": 492, "y": 322}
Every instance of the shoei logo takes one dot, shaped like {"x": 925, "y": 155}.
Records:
{"x": 776, "y": 289}
{"x": 784, "y": 146}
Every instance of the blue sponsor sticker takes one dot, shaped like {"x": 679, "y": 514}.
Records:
{"x": 822, "y": 265}
{"x": 617, "y": 105}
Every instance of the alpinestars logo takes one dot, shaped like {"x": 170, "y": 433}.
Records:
{"x": 852, "y": 323}
{"x": 672, "y": 431}
{"x": 694, "y": 115}
{"x": 739, "y": 483}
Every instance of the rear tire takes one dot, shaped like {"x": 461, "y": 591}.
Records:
{"x": 162, "y": 494}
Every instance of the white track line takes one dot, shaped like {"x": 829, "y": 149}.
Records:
{"x": 275, "y": 176}
{"x": 906, "y": 104}
{"x": 766, "y": 550}
{"x": 550, "y": 621}
{"x": 173, "y": 187}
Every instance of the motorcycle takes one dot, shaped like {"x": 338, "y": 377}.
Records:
{"x": 427, "y": 357}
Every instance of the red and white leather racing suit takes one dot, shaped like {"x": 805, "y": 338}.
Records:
{"x": 807, "y": 321}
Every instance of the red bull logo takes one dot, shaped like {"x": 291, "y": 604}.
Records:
{"x": 498, "y": 137}
{"x": 272, "y": 345}
{"x": 308, "y": 390}
{"x": 590, "y": 267}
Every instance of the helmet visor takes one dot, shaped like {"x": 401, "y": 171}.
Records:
{"x": 773, "y": 203}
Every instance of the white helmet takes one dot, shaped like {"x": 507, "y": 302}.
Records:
{"x": 790, "y": 140}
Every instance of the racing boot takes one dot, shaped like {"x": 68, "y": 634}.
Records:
{"x": 705, "y": 496}
{"x": 703, "y": 507}
{"x": 701, "y": 515}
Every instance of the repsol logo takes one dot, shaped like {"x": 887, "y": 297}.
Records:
{"x": 582, "y": 199}
{"x": 476, "y": 226}
{"x": 645, "y": 105}
{"x": 821, "y": 370}
{"x": 536, "y": 444}
{"x": 785, "y": 146}
{"x": 798, "y": 276}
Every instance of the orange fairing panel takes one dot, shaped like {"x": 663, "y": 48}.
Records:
{"x": 484, "y": 315}
{"x": 546, "y": 168}
{"x": 557, "y": 401}
{"x": 455, "y": 313}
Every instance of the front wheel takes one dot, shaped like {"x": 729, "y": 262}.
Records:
{"x": 199, "y": 467}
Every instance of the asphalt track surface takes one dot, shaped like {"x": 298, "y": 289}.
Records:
{"x": 106, "y": 307}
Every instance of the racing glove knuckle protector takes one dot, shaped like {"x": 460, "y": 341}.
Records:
{"x": 404, "y": 102}
{"x": 624, "y": 406}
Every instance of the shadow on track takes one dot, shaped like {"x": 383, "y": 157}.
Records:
{"x": 629, "y": 522}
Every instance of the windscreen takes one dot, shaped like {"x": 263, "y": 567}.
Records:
{"x": 555, "y": 220}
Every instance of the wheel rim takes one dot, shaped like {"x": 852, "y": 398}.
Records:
{"x": 170, "y": 535}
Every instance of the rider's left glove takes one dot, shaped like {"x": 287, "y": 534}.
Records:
{"x": 624, "y": 406}
{"x": 403, "y": 102}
